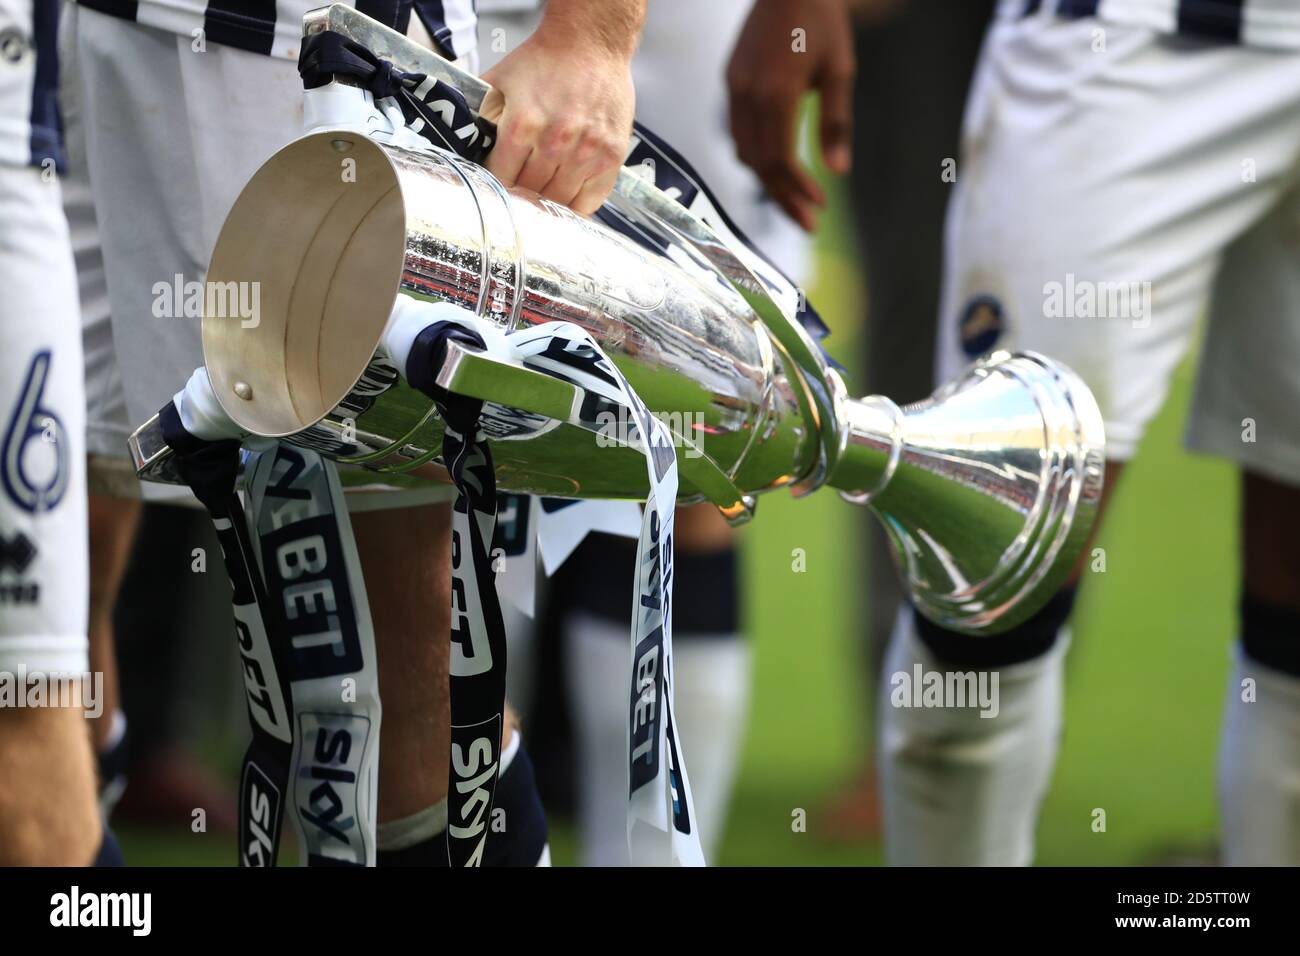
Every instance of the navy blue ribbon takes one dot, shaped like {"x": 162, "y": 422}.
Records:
{"x": 327, "y": 55}
{"x": 211, "y": 469}
{"x": 478, "y": 635}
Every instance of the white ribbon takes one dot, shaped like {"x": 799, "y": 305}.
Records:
{"x": 661, "y": 813}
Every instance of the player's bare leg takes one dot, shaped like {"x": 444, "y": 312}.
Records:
{"x": 48, "y": 812}
{"x": 406, "y": 560}
{"x": 405, "y": 555}
{"x": 113, "y": 524}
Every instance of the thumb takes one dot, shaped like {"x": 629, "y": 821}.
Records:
{"x": 493, "y": 106}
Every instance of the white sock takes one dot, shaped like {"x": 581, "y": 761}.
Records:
{"x": 116, "y": 731}
{"x": 521, "y": 652}
{"x": 1259, "y": 767}
{"x": 711, "y": 698}
{"x": 712, "y": 708}
{"x": 960, "y": 789}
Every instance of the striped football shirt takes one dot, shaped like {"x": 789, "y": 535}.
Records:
{"x": 1271, "y": 24}
{"x": 29, "y": 79}
{"x": 274, "y": 27}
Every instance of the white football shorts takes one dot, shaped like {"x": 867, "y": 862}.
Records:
{"x": 161, "y": 138}
{"x": 1114, "y": 185}
{"x": 43, "y": 562}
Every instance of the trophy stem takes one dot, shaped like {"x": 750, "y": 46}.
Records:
{"x": 988, "y": 489}
{"x": 872, "y": 445}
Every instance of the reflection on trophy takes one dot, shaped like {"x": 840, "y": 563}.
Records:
{"x": 988, "y": 489}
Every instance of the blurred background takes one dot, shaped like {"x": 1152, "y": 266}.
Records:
{"x": 1149, "y": 658}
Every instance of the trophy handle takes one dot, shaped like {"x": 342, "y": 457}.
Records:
{"x": 151, "y": 456}
{"x": 491, "y": 378}
{"x": 497, "y": 379}
{"x": 403, "y": 52}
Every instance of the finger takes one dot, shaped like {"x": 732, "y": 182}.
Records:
{"x": 746, "y": 128}
{"x": 592, "y": 155}
{"x": 516, "y": 136}
{"x": 836, "y": 123}
{"x": 594, "y": 192}
{"x": 537, "y": 172}
{"x": 765, "y": 143}
{"x": 782, "y": 188}
{"x": 805, "y": 185}
{"x": 794, "y": 182}
{"x": 775, "y": 156}
{"x": 567, "y": 182}
{"x": 560, "y": 162}
{"x": 745, "y": 136}
{"x": 494, "y": 102}
{"x": 740, "y": 110}
{"x": 507, "y": 160}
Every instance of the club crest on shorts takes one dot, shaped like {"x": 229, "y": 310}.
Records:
{"x": 981, "y": 324}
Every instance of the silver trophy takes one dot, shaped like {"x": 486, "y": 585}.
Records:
{"x": 988, "y": 489}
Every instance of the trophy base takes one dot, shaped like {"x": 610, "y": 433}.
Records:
{"x": 994, "y": 491}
